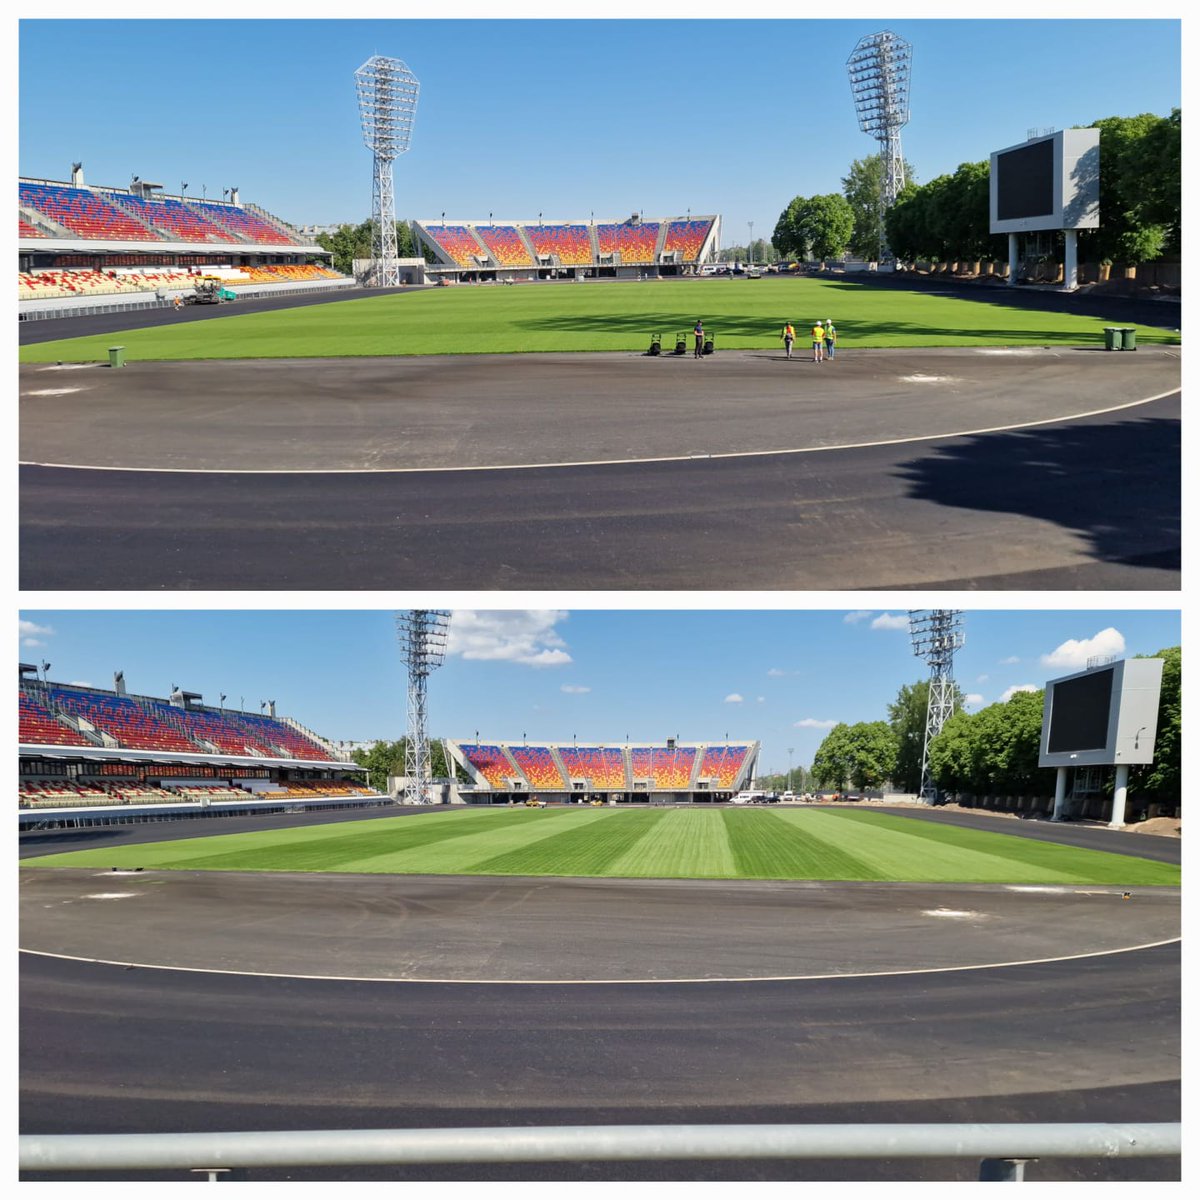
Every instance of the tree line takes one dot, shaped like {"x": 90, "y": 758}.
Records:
{"x": 383, "y": 759}
{"x": 948, "y": 217}
{"x": 991, "y": 752}
{"x": 350, "y": 242}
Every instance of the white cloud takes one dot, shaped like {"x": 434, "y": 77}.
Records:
{"x": 972, "y": 698}
{"x": 777, "y": 673}
{"x": 525, "y": 636}
{"x": 1073, "y": 655}
{"x": 734, "y": 698}
{"x": 890, "y": 621}
{"x": 1011, "y": 660}
{"x": 853, "y": 618}
{"x": 762, "y": 699}
{"x": 31, "y": 634}
{"x": 1017, "y": 687}
{"x": 575, "y": 689}
{"x": 813, "y": 723}
{"x": 981, "y": 678}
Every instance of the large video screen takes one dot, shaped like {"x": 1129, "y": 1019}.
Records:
{"x": 1025, "y": 183}
{"x": 1079, "y": 713}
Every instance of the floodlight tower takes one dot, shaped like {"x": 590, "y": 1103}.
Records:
{"x": 422, "y": 636}
{"x": 879, "y": 70}
{"x": 936, "y": 634}
{"x": 387, "y": 103}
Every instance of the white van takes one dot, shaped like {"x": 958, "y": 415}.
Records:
{"x": 749, "y": 798}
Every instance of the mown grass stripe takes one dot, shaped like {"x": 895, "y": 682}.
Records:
{"x": 1072, "y": 863}
{"x": 684, "y": 845}
{"x": 307, "y": 848}
{"x": 564, "y": 317}
{"x": 767, "y": 846}
{"x": 524, "y": 829}
{"x": 833, "y": 844}
{"x": 902, "y": 853}
{"x": 579, "y": 851}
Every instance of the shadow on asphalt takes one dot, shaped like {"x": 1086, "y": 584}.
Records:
{"x": 1117, "y": 484}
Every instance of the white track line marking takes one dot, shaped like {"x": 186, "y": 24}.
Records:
{"x": 1024, "y": 962}
{"x": 610, "y": 462}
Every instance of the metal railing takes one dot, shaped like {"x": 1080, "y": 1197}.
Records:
{"x": 1002, "y": 1150}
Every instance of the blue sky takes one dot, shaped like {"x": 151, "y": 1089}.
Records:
{"x": 782, "y": 677}
{"x": 565, "y": 118}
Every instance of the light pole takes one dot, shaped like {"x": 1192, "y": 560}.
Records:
{"x": 387, "y": 104}
{"x": 750, "y": 248}
{"x": 790, "y": 752}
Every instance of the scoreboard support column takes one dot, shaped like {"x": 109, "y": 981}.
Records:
{"x": 1070, "y": 261}
{"x": 1012, "y": 260}
{"x": 1060, "y": 793}
{"x": 1120, "y": 792}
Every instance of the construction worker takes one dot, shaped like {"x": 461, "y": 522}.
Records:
{"x": 789, "y": 336}
{"x": 818, "y": 341}
{"x": 830, "y": 338}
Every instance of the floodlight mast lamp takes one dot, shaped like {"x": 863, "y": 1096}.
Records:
{"x": 422, "y": 634}
{"x": 387, "y": 104}
{"x": 936, "y": 635}
{"x": 879, "y": 70}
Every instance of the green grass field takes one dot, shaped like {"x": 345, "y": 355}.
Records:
{"x": 740, "y": 313}
{"x": 643, "y": 843}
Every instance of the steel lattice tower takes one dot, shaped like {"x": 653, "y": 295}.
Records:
{"x": 387, "y": 103}
{"x": 422, "y": 635}
{"x": 879, "y": 70}
{"x": 936, "y": 634}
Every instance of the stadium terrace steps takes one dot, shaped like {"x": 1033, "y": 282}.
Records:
{"x": 55, "y": 714}
{"x": 554, "y": 767}
{"x": 59, "y": 210}
{"x": 485, "y": 245}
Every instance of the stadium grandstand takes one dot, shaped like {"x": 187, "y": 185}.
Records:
{"x": 78, "y": 243}
{"x": 670, "y": 772}
{"x": 511, "y": 251}
{"x": 89, "y": 756}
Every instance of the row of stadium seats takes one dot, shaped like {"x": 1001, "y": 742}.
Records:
{"x": 605, "y": 766}
{"x": 63, "y": 794}
{"x": 119, "y": 216}
{"x": 303, "y": 789}
{"x": 148, "y": 724}
{"x": 56, "y": 284}
{"x": 508, "y": 245}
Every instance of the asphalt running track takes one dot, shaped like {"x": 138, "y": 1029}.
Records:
{"x": 109, "y": 1048}
{"x": 1031, "y": 469}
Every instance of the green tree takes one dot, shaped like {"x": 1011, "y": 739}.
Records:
{"x": 1140, "y": 188}
{"x": 862, "y": 187}
{"x": 816, "y": 226}
{"x": 948, "y": 218}
{"x": 994, "y": 751}
{"x": 863, "y": 754}
{"x": 833, "y": 759}
{"x": 1008, "y": 737}
{"x": 950, "y": 755}
{"x": 907, "y": 716}
{"x": 350, "y": 242}
{"x": 873, "y": 760}
{"x": 1162, "y": 781}
{"x": 387, "y": 758}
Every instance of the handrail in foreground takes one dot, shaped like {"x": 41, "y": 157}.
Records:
{"x": 1001, "y": 1147}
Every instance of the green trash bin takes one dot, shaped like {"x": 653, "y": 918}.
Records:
{"x": 1128, "y": 339}
{"x": 116, "y": 356}
{"x": 1112, "y": 338}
